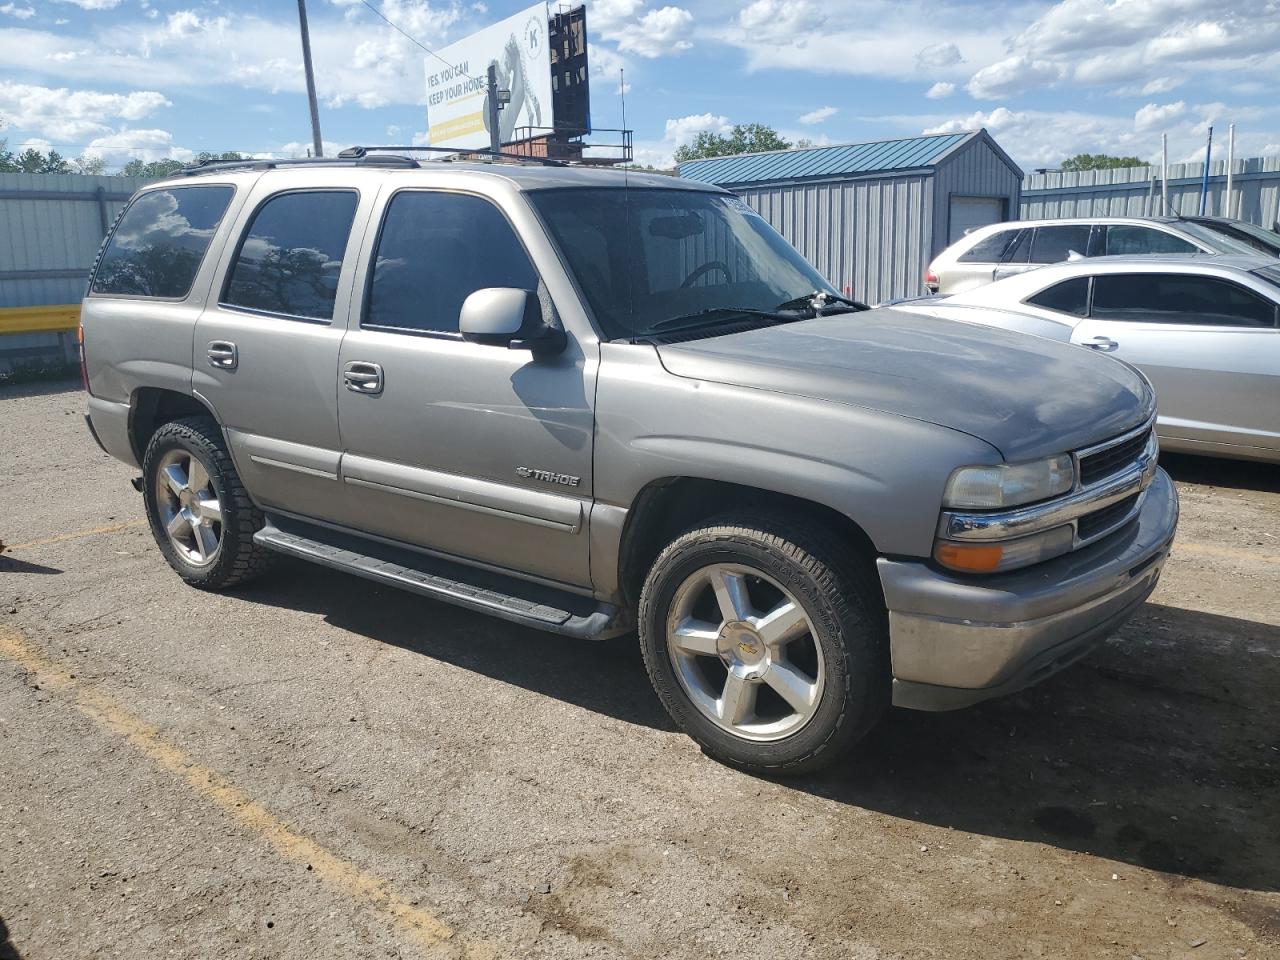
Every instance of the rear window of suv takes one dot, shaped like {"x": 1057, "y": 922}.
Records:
{"x": 989, "y": 249}
{"x": 159, "y": 243}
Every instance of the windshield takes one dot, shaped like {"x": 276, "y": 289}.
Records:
{"x": 1216, "y": 239}
{"x": 648, "y": 255}
{"x": 1270, "y": 274}
{"x": 1260, "y": 238}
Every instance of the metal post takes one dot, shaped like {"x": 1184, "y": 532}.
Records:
{"x": 311, "y": 78}
{"x": 495, "y": 135}
{"x": 1204, "y": 184}
{"x": 1164, "y": 173}
{"x": 1231, "y": 159}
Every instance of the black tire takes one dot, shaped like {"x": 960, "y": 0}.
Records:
{"x": 238, "y": 559}
{"x": 836, "y": 589}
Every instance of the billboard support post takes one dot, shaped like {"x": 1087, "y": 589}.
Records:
{"x": 311, "y": 79}
{"x": 495, "y": 135}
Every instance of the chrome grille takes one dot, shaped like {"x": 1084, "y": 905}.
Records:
{"x": 1110, "y": 460}
{"x": 1095, "y": 524}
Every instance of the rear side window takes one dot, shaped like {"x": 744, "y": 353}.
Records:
{"x": 1020, "y": 248}
{"x": 1055, "y": 244}
{"x": 1069, "y": 296}
{"x": 435, "y": 250}
{"x": 1128, "y": 239}
{"x": 989, "y": 249}
{"x": 160, "y": 241}
{"x": 1179, "y": 299}
{"x": 291, "y": 255}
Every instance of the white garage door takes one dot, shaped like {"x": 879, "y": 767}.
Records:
{"x": 970, "y": 212}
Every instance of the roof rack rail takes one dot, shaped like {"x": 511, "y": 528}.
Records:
{"x": 360, "y": 153}
{"x": 267, "y": 163}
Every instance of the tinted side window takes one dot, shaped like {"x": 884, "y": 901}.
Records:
{"x": 158, "y": 245}
{"x": 435, "y": 250}
{"x": 291, "y": 255}
{"x": 1171, "y": 298}
{"x": 1128, "y": 239}
{"x": 988, "y": 250}
{"x": 1055, "y": 244}
{"x": 1069, "y": 296}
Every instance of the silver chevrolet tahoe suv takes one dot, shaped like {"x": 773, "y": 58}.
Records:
{"x": 595, "y": 402}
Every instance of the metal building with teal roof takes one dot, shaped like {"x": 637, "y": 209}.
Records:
{"x": 870, "y": 216}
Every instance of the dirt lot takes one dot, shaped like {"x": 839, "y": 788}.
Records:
{"x": 318, "y": 767}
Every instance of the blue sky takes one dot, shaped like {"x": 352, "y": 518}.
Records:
{"x": 154, "y": 78}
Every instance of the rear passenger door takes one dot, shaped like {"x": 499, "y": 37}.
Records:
{"x": 1210, "y": 347}
{"x": 475, "y": 451}
{"x": 266, "y": 347}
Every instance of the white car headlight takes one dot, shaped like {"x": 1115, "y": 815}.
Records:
{"x": 1009, "y": 484}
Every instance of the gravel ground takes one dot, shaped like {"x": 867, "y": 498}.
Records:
{"x": 318, "y": 767}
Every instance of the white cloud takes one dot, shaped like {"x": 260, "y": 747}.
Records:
{"x": 939, "y": 55}
{"x": 94, "y": 4}
{"x": 1010, "y": 76}
{"x": 940, "y": 90}
{"x": 657, "y": 32}
{"x": 789, "y": 22}
{"x": 1153, "y": 116}
{"x": 817, "y": 116}
{"x": 14, "y": 10}
{"x": 121, "y": 147}
{"x": 681, "y": 130}
{"x": 68, "y": 116}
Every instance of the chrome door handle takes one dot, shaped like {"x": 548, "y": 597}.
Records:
{"x": 223, "y": 355}
{"x": 362, "y": 377}
{"x": 1101, "y": 343}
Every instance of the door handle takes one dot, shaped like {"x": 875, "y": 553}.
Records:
{"x": 1101, "y": 343}
{"x": 363, "y": 377}
{"x": 223, "y": 354}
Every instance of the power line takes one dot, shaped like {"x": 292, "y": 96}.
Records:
{"x": 414, "y": 40}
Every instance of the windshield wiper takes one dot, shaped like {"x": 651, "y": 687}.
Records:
{"x": 817, "y": 301}
{"x": 714, "y": 316}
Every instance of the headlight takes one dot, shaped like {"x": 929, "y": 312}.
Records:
{"x": 998, "y": 555}
{"x": 1009, "y": 484}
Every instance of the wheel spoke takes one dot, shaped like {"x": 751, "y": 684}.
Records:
{"x": 782, "y": 624}
{"x": 176, "y": 478}
{"x": 179, "y": 522}
{"x": 197, "y": 475}
{"x": 209, "y": 510}
{"x": 792, "y": 685}
{"x": 731, "y": 594}
{"x": 695, "y": 638}
{"x": 738, "y": 701}
{"x": 206, "y": 542}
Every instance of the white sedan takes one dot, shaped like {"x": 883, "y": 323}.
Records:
{"x": 1205, "y": 331}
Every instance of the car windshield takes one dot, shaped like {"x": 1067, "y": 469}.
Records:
{"x": 1268, "y": 241}
{"x": 1269, "y": 273}
{"x": 1216, "y": 239}
{"x": 653, "y": 257}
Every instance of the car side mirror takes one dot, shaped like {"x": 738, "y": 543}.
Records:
{"x": 510, "y": 317}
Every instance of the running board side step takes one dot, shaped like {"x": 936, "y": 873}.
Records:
{"x": 510, "y": 598}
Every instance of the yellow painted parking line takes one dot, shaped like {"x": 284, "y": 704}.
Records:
{"x": 109, "y": 528}
{"x": 1227, "y": 553}
{"x": 342, "y": 875}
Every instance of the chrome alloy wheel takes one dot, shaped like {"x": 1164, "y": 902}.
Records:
{"x": 188, "y": 507}
{"x": 745, "y": 652}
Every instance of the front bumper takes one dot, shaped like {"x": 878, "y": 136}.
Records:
{"x": 958, "y": 640}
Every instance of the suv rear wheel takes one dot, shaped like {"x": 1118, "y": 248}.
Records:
{"x": 200, "y": 514}
{"x": 765, "y": 643}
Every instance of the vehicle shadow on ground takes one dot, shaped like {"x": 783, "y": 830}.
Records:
{"x": 1214, "y": 472}
{"x": 11, "y": 564}
{"x": 1161, "y": 749}
{"x": 7, "y": 950}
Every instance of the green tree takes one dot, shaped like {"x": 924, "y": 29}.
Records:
{"x": 8, "y": 162}
{"x": 743, "y": 138}
{"x": 153, "y": 170}
{"x": 1099, "y": 161}
{"x": 90, "y": 165}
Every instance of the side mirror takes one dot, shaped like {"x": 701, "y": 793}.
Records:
{"x": 507, "y": 316}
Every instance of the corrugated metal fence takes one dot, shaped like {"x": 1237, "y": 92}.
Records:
{"x": 51, "y": 226}
{"x": 1130, "y": 192}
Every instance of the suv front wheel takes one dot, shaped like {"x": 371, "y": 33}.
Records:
{"x": 765, "y": 643}
{"x": 200, "y": 514}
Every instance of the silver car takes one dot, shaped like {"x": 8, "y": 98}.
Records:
{"x": 1203, "y": 329}
{"x": 1005, "y": 249}
{"x": 591, "y": 402}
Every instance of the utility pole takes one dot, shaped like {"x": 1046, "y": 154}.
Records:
{"x": 1231, "y": 160}
{"x": 495, "y": 135}
{"x": 1204, "y": 184}
{"x": 311, "y": 79}
{"x": 1164, "y": 174}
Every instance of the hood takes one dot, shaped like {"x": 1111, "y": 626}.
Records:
{"x": 1026, "y": 396}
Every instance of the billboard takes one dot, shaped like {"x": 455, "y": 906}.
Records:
{"x": 457, "y": 110}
